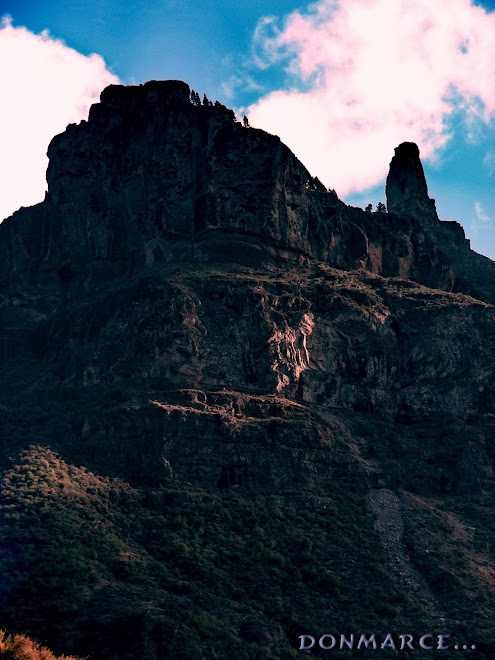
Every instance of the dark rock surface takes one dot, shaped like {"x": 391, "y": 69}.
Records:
{"x": 152, "y": 179}
{"x": 208, "y": 365}
{"x": 406, "y": 188}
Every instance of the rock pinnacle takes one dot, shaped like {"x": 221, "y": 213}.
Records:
{"x": 406, "y": 188}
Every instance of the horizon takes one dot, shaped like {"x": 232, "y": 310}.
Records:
{"x": 327, "y": 79}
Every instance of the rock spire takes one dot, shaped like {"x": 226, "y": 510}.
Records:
{"x": 406, "y": 188}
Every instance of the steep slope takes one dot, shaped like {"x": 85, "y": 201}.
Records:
{"x": 235, "y": 410}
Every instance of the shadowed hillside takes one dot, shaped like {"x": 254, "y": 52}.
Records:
{"x": 234, "y": 410}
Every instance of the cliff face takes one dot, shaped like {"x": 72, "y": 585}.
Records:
{"x": 198, "y": 341}
{"x": 152, "y": 179}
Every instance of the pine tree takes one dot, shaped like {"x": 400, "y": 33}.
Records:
{"x": 317, "y": 185}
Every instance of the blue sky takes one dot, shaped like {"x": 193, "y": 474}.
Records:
{"x": 342, "y": 83}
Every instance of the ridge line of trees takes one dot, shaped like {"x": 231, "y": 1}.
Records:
{"x": 314, "y": 183}
{"x": 380, "y": 208}
{"x": 196, "y": 100}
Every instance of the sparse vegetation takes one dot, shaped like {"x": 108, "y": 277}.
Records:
{"x": 20, "y": 647}
{"x": 195, "y": 100}
{"x": 314, "y": 183}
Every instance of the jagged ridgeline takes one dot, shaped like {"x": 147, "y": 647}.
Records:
{"x": 234, "y": 410}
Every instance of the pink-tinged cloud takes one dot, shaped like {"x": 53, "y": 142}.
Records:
{"x": 373, "y": 74}
{"x": 44, "y": 85}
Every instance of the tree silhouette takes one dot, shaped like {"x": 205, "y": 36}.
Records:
{"x": 381, "y": 208}
{"x": 369, "y": 208}
{"x": 318, "y": 185}
{"x": 245, "y": 121}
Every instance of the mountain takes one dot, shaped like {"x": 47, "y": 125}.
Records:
{"x": 235, "y": 410}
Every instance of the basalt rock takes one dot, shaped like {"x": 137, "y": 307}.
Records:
{"x": 406, "y": 188}
{"x": 152, "y": 178}
{"x": 210, "y": 367}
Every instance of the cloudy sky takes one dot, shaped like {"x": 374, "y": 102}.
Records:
{"x": 342, "y": 82}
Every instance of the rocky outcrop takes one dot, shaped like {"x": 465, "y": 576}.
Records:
{"x": 406, "y": 188}
{"x": 152, "y": 178}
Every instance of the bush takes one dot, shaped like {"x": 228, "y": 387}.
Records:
{"x": 20, "y": 647}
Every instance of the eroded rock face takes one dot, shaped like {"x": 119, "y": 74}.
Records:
{"x": 177, "y": 249}
{"x": 406, "y": 188}
{"x": 152, "y": 178}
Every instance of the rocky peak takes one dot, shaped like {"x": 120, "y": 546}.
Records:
{"x": 153, "y": 177}
{"x": 406, "y": 188}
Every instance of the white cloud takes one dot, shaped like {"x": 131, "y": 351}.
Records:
{"x": 45, "y": 86}
{"x": 266, "y": 50}
{"x": 369, "y": 74}
{"x": 480, "y": 214}
{"x": 480, "y": 220}
{"x": 489, "y": 161}
{"x": 230, "y": 87}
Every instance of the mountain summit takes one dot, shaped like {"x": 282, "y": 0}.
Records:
{"x": 236, "y": 410}
{"x": 154, "y": 178}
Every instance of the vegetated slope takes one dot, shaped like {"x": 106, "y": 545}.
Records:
{"x": 235, "y": 411}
